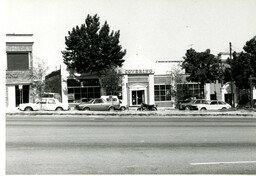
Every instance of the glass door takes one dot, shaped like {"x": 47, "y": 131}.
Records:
{"x": 138, "y": 97}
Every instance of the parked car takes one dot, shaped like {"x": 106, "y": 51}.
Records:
{"x": 48, "y": 104}
{"x": 96, "y": 104}
{"x": 192, "y": 105}
{"x": 214, "y": 105}
{"x": 51, "y": 95}
{"x": 123, "y": 105}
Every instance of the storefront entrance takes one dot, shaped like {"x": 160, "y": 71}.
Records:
{"x": 138, "y": 96}
{"x": 22, "y": 94}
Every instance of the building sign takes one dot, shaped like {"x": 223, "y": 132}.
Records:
{"x": 139, "y": 71}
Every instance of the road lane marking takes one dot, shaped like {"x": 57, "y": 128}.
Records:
{"x": 231, "y": 162}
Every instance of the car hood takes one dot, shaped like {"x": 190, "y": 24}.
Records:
{"x": 185, "y": 104}
{"x": 83, "y": 104}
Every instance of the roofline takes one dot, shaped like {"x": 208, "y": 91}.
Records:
{"x": 166, "y": 61}
{"x": 19, "y": 34}
{"x": 19, "y": 43}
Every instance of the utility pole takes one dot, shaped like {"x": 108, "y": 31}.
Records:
{"x": 231, "y": 75}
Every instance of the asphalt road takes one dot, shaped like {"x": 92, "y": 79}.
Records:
{"x": 71, "y": 145}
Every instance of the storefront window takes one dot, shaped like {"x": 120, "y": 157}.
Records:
{"x": 188, "y": 91}
{"x": 75, "y": 94}
{"x": 85, "y": 89}
{"x": 162, "y": 92}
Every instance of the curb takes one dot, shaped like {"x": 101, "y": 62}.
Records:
{"x": 134, "y": 113}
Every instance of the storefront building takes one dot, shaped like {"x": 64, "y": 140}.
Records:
{"x": 143, "y": 80}
{"x": 147, "y": 81}
{"x": 18, "y": 69}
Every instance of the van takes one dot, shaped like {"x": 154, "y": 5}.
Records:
{"x": 113, "y": 99}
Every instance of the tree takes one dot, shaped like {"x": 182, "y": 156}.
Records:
{"x": 93, "y": 49}
{"x": 174, "y": 79}
{"x": 241, "y": 69}
{"x": 243, "y": 65}
{"x": 111, "y": 80}
{"x": 38, "y": 73}
{"x": 202, "y": 67}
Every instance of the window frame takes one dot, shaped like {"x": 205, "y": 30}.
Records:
{"x": 16, "y": 66}
{"x": 160, "y": 92}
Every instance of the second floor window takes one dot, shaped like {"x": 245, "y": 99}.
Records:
{"x": 17, "y": 61}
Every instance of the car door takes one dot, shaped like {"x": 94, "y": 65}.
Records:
{"x": 203, "y": 104}
{"x": 222, "y": 105}
{"x": 214, "y": 105}
{"x": 50, "y": 105}
{"x": 104, "y": 105}
{"x": 42, "y": 104}
{"x": 96, "y": 105}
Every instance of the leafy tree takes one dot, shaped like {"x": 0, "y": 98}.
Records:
{"x": 202, "y": 67}
{"x": 92, "y": 48}
{"x": 243, "y": 65}
{"x": 38, "y": 74}
{"x": 174, "y": 79}
{"x": 241, "y": 69}
{"x": 111, "y": 80}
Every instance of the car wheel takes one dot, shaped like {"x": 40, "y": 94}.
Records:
{"x": 59, "y": 109}
{"x": 28, "y": 109}
{"x": 139, "y": 109}
{"x": 86, "y": 109}
{"x": 224, "y": 108}
{"x": 203, "y": 109}
{"x": 123, "y": 108}
{"x": 187, "y": 108}
{"x": 111, "y": 109}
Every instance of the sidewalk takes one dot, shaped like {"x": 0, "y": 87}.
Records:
{"x": 163, "y": 112}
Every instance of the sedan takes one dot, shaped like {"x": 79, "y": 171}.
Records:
{"x": 48, "y": 104}
{"x": 193, "y": 104}
{"x": 214, "y": 105}
{"x": 96, "y": 104}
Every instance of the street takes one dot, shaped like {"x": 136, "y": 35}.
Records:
{"x": 73, "y": 145}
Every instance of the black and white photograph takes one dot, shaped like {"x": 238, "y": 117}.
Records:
{"x": 128, "y": 87}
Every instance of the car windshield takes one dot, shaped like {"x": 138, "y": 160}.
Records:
{"x": 91, "y": 100}
{"x": 192, "y": 101}
{"x": 41, "y": 102}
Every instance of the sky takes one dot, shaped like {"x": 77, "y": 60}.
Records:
{"x": 155, "y": 29}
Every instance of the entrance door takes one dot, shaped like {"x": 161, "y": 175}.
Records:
{"x": 22, "y": 95}
{"x": 138, "y": 96}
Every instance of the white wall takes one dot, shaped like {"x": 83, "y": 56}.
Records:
{"x": 124, "y": 89}
{"x": 151, "y": 89}
{"x": 11, "y": 97}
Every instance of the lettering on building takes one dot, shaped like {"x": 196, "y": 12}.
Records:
{"x": 139, "y": 71}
